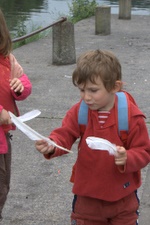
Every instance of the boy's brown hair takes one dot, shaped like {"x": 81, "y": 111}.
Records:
{"x": 5, "y": 39}
{"x": 97, "y": 63}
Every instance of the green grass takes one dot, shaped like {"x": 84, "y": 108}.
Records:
{"x": 22, "y": 31}
{"x": 33, "y": 38}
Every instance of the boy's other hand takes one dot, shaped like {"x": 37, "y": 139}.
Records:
{"x": 43, "y": 147}
{"x": 120, "y": 156}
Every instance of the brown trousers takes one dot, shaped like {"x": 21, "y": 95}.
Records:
{"x": 88, "y": 211}
{"x": 5, "y": 170}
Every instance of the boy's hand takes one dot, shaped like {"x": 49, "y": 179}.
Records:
{"x": 5, "y": 117}
{"x": 43, "y": 147}
{"x": 121, "y": 156}
{"x": 16, "y": 85}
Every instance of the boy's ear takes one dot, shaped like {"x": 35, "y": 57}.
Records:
{"x": 118, "y": 86}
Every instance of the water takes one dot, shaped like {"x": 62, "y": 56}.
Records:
{"x": 29, "y": 15}
{"x": 138, "y": 7}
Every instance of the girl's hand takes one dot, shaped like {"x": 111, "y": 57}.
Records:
{"x": 16, "y": 85}
{"x": 43, "y": 147}
{"x": 5, "y": 117}
{"x": 121, "y": 156}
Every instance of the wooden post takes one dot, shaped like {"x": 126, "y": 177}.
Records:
{"x": 103, "y": 20}
{"x": 125, "y": 9}
{"x": 63, "y": 44}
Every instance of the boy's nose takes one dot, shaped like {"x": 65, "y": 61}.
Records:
{"x": 87, "y": 96}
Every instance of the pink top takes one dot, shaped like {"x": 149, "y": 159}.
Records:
{"x": 7, "y": 96}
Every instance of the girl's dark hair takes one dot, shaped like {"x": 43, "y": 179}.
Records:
{"x": 97, "y": 63}
{"x": 5, "y": 39}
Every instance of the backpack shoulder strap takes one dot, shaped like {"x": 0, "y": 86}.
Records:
{"x": 123, "y": 115}
{"x": 122, "y": 112}
{"x": 83, "y": 113}
{"x": 82, "y": 117}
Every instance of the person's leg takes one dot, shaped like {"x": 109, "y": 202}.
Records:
{"x": 87, "y": 211}
{"x": 5, "y": 169}
{"x": 127, "y": 211}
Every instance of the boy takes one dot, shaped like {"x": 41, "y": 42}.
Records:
{"x": 104, "y": 185}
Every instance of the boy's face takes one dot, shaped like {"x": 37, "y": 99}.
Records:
{"x": 96, "y": 96}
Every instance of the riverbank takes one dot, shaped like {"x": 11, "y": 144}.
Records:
{"x": 28, "y": 15}
{"x": 40, "y": 190}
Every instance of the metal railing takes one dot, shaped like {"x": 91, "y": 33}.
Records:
{"x": 38, "y": 31}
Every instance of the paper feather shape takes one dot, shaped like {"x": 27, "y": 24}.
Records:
{"x": 101, "y": 144}
{"x": 29, "y": 115}
{"x": 32, "y": 134}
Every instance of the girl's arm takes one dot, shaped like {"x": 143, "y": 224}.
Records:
{"x": 21, "y": 87}
{"x": 20, "y": 84}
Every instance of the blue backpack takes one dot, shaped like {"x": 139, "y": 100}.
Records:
{"x": 123, "y": 113}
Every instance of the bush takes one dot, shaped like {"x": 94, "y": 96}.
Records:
{"x": 82, "y": 9}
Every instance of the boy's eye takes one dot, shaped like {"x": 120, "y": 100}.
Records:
{"x": 93, "y": 90}
{"x": 90, "y": 90}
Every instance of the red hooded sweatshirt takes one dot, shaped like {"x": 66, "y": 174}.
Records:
{"x": 96, "y": 174}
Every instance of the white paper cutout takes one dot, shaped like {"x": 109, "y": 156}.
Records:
{"x": 101, "y": 144}
{"x": 29, "y": 115}
{"x": 32, "y": 134}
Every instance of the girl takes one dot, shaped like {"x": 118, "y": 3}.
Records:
{"x": 14, "y": 85}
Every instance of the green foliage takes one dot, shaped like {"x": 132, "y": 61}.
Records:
{"x": 21, "y": 28}
{"x": 82, "y": 9}
{"x": 21, "y": 31}
{"x": 33, "y": 38}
